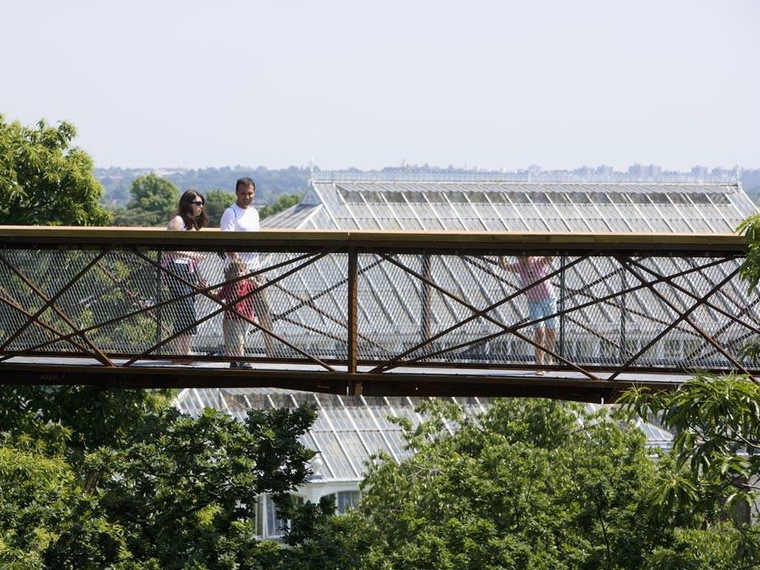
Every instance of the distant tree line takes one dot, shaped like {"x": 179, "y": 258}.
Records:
{"x": 270, "y": 184}
{"x": 153, "y": 199}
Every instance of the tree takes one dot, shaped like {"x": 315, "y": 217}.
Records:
{"x": 713, "y": 475}
{"x": 217, "y": 201}
{"x": 37, "y": 489}
{"x": 120, "y": 479}
{"x": 52, "y": 429}
{"x": 154, "y": 200}
{"x": 282, "y": 203}
{"x": 93, "y": 478}
{"x": 530, "y": 484}
{"x": 750, "y": 272}
{"x": 199, "y": 502}
{"x": 45, "y": 181}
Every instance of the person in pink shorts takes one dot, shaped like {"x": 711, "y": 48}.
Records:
{"x": 542, "y": 303}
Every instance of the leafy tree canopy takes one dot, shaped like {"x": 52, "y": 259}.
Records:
{"x": 104, "y": 479}
{"x": 217, "y": 201}
{"x": 531, "y": 484}
{"x": 715, "y": 466}
{"x": 46, "y": 181}
{"x": 282, "y": 203}
{"x": 154, "y": 200}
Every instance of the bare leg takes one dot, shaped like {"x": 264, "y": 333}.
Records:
{"x": 186, "y": 344}
{"x": 551, "y": 342}
{"x": 539, "y": 340}
{"x": 264, "y": 316}
{"x": 234, "y": 337}
{"x": 182, "y": 347}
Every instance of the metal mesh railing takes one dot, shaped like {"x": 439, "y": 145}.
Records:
{"x": 343, "y": 303}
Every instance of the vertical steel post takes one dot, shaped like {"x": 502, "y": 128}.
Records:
{"x": 425, "y": 304}
{"x": 560, "y": 347}
{"x": 159, "y": 299}
{"x": 353, "y": 266}
{"x": 623, "y": 337}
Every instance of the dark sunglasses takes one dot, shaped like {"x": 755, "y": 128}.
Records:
{"x": 197, "y": 202}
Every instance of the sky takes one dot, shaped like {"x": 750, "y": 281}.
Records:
{"x": 492, "y": 84}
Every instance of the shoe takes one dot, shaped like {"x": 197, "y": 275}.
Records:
{"x": 234, "y": 364}
{"x": 243, "y": 365}
{"x": 540, "y": 372}
{"x": 183, "y": 361}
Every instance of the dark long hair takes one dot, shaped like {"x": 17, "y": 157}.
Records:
{"x": 185, "y": 210}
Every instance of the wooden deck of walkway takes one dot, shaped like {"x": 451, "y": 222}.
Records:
{"x": 557, "y": 384}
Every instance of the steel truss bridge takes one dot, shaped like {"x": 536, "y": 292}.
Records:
{"x": 374, "y": 313}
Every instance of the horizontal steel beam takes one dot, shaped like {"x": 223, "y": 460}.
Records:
{"x": 520, "y": 384}
{"x": 472, "y": 243}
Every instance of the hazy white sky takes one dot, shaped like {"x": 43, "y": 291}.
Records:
{"x": 487, "y": 83}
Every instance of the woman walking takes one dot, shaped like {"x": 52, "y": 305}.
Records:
{"x": 184, "y": 276}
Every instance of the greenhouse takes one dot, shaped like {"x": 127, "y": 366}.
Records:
{"x": 352, "y": 428}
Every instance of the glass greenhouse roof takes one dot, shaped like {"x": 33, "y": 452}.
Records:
{"x": 645, "y": 207}
{"x": 350, "y": 429}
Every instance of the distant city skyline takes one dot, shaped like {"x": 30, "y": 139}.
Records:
{"x": 493, "y": 85}
{"x": 634, "y": 172}
{"x": 634, "y": 169}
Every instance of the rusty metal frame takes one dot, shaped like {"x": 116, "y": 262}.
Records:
{"x": 682, "y": 316}
{"x": 48, "y": 303}
{"x": 416, "y": 369}
{"x": 477, "y": 313}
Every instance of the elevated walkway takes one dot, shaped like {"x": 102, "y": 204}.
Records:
{"x": 375, "y": 313}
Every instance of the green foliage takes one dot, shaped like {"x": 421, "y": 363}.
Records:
{"x": 36, "y": 490}
{"x": 74, "y": 419}
{"x": 199, "y": 502}
{"x": 270, "y": 183}
{"x": 217, "y": 201}
{"x": 750, "y": 272}
{"x": 45, "y": 181}
{"x": 750, "y": 269}
{"x": 154, "y": 200}
{"x": 695, "y": 549}
{"x": 314, "y": 541}
{"x": 716, "y": 459}
{"x": 531, "y": 484}
{"x": 282, "y": 203}
{"x": 118, "y": 478}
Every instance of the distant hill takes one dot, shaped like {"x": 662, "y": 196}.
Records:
{"x": 270, "y": 184}
{"x": 273, "y": 184}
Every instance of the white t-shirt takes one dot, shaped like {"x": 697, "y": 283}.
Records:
{"x": 237, "y": 219}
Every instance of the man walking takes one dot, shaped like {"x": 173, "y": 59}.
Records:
{"x": 243, "y": 217}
